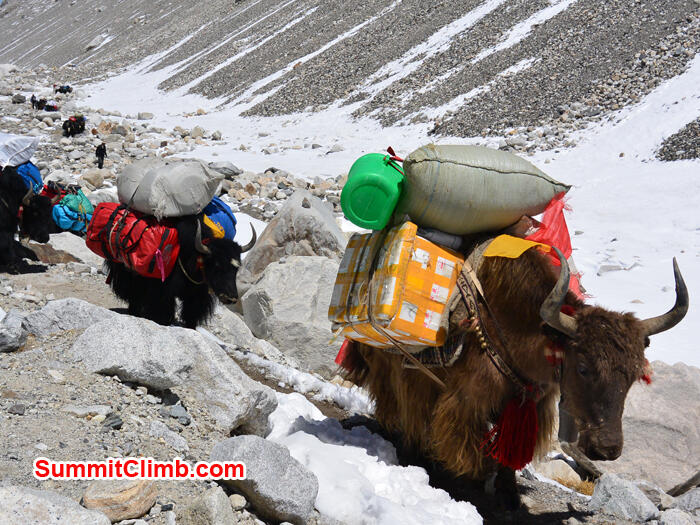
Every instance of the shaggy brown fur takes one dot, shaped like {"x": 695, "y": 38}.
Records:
{"x": 449, "y": 426}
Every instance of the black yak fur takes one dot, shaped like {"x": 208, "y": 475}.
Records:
{"x": 157, "y": 300}
{"x": 34, "y": 223}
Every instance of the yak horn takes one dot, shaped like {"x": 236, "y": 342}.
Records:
{"x": 654, "y": 325}
{"x": 248, "y": 246}
{"x": 198, "y": 245}
{"x": 27, "y": 197}
{"x": 550, "y": 311}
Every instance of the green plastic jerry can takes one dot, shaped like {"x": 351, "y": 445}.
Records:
{"x": 372, "y": 191}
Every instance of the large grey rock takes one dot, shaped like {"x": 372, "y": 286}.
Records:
{"x": 211, "y": 508}
{"x": 289, "y": 308}
{"x": 12, "y": 335}
{"x": 655, "y": 494}
{"x": 277, "y": 484}
{"x": 228, "y": 169}
{"x": 26, "y": 506}
{"x": 183, "y": 360}
{"x": 65, "y": 314}
{"x": 690, "y": 501}
{"x": 661, "y": 425}
{"x": 75, "y": 245}
{"x": 622, "y": 499}
{"x": 304, "y": 226}
{"x": 18, "y": 99}
{"x": 232, "y": 330}
{"x": 675, "y": 517}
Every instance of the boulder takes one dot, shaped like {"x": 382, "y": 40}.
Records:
{"x": 211, "y": 508}
{"x": 232, "y": 330}
{"x": 144, "y": 115}
{"x": 661, "y": 425}
{"x": 12, "y": 335}
{"x": 65, "y": 314}
{"x": 75, "y": 246}
{"x": 41, "y": 507}
{"x": 277, "y": 485}
{"x": 690, "y": 501}
{"x": 675, "y": 517}
{"x": 559, "y": 470}
{"x": 622, "y": 499}
{"x": 183, "y": 360}
{"x": 95, "y": 176}
{"x": 288, "y": 307}
{"x": 18, "y": 98}
{"x": 6, "y": 69}
{"x": 121, "y": 499}
{"x": 95, "y": 42}
{"x": 304, "y": 226}
{"x": 228, "y": 169}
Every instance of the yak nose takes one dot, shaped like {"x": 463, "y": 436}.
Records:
{"x": 602, "y": 451}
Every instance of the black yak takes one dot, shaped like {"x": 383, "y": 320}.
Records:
{"x": 206, "y": 267}
{"x": 23, "y": 212}
{"x": 547, "y": 342}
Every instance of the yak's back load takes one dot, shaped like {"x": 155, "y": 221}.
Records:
{"x": 16, "y": 149}
{"x": 469, "y": 189}
{"x": 167, "y": 188}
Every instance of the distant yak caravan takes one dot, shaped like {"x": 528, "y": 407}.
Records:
{"x": 507, "y": 328}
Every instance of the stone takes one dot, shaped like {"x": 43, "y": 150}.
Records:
{"x": 655, "y": 494}
{"x": 65, "y": 314}
{"x": 144, "y": 116}
{"x": 12, "y": 335}
{"x": 228, "y": 169}
{"x": 211, "y": 508}
{"x": 216, "y": 135}
{"x": 303, "y": 226}
{"x": 76, "y": 154}
{"x": 665, "y": 413}
{"x": 18, "y": 409}
{"x": 690, "y": 501}
{"x": 185, "y": 361}
{"x": 40, "y": 507}
{"x": 175, "y": 440}
{"x": 18, "y": 99}
{"x": 95, "y": 42}
{"x": 96, "y": 176}
{"x": 196, "y": 132}
{"x": 288, "y": 307}
{"x": 276, "y": 484}
{"x": 75, "y": 246}
{"x": 675, "y": 517}
{"x": 121, "y": 499}
{"x": 237, "y": 501}
{"x": 622, "y": 499}
{"x": 232, "y": 330}
{"x": 559, "y": 470}
{"x": 84, "y": 411}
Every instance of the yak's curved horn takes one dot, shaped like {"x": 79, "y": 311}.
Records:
{"x": 198, "y": 245}
{"x": 654, "y": 325}
{"x": 27, "y": 197}
{"x": 248, "y": 246}
{"x": 550, "y": 311}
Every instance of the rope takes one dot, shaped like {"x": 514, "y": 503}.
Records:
{"x": 197, "y": 283}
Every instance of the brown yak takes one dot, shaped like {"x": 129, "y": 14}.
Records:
{"x": 603, "y": 355}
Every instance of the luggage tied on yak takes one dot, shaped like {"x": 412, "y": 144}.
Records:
{"x": 462, "y": 190}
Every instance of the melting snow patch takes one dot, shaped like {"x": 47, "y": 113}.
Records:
{"x": 359, "y": 481}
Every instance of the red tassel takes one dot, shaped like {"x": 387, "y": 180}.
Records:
{"x": 512, "y": 440}
{"x": 647, "y": 372}
{"x": 345, "y": 357}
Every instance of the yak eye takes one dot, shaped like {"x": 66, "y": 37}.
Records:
{"x": 582, "y": 370}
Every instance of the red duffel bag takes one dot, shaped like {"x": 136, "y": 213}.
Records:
{"x": 148, "y": 247}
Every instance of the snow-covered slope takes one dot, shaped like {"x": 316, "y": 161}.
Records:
{"x": 464, "y": 68}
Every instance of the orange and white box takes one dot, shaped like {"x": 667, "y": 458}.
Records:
{"x": 409, "y": 290}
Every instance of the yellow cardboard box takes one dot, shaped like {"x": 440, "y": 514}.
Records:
{"x": 407, "y": 293}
